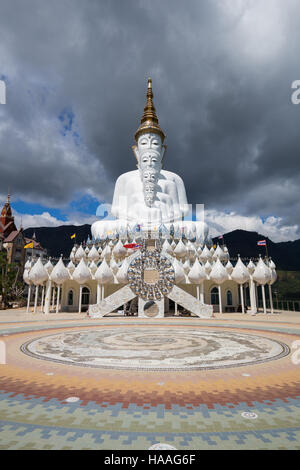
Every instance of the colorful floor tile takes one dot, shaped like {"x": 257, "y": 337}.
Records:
{"x": 119, "y": 384}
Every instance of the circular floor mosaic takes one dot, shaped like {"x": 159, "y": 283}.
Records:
{"x": 157, "y": 348}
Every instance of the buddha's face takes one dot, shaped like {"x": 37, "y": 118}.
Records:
{"x": 150, "y": 159}
{"x": 149, "y": 141}
{"x": 149, "y": 194}
{"x": 149, "y": 151}
{"x": 149, "y": 176}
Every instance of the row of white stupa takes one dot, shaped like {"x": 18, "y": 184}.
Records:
{"x": 109, "y": 264}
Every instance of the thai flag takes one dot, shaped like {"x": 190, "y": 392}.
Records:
{"x": 133, "y": 246}
{"x": 262, "y": 243}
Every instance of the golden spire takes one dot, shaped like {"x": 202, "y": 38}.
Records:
{"x": 149, "y": 121}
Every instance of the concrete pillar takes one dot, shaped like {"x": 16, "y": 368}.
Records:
{"x": 36, "y": 298}
{"x": 256, "y": 296}
{"x": 264, "y": 298}
{"x": 47, "y": 297}
{"x": 53, "y": 298}
{"x": 252, "y": 297}
{"x": 80, "y": 298}
{"x": 98, "y": 293}
{"x": 220, "y": 298}
{"x": 271, "y": 299}
{"x": 242, "y": 298}
{"x": 202, "y": 292}
{"x": 43, "y": 295}
{"x": 58, "y": 298}
{"x": 28, "y": 298}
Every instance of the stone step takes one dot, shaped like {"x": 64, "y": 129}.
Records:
{"x": 111, "y": 303}
{"x": 189, "y": 302}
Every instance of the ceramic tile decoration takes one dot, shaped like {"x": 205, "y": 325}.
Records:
{"x": 138, "y": 407}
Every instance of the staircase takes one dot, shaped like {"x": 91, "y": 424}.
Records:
{"x": 189, "y": 302}
{"x": 125, "y": 294}
{"x": 111, "y": 303}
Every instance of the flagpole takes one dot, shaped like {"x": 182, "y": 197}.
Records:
{"x": 267, "y": 250}
{"x": 264, "y": 243}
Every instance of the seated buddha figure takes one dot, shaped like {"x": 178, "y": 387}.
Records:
{"x": 148, "y": 196}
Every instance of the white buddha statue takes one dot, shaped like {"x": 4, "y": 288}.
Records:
{"x": 148, "y": 196}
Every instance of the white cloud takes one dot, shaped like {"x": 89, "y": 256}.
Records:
{"x": 272, "y": 227}
{"x": 36, "y": 220}
{"x": 47, "y": 220}
{"x": 219, "y": 223}
{"x": 253, "y": 23}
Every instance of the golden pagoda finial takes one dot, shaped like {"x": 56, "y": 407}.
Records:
{"x": 149, "y": 121}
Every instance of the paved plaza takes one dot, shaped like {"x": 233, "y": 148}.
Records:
{"x": 70, "y": 382}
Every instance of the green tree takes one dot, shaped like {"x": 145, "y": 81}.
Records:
{"x": 11, "y": 288}
{"x": 287, "y": 285}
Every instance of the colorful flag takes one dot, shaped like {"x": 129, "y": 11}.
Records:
{"x": 133, "y": 246}
{"x": 29, "y": 245}
{"x": 73, "y": 236}
{"x": 220, "y": 237}
{"x": 262, "y": 243}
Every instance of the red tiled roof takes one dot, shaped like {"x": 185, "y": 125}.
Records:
{"x": 12, "y": 236}
{"x": 3, "y": 228}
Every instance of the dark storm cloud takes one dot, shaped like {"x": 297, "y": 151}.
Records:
{"x": 222, "y": 74}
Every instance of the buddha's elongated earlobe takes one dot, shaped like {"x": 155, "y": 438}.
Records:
{"x": 163, "y": 153}
{"x": 136, "y": 154}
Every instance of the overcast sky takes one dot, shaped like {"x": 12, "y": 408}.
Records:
{"x": 76, "y": 74}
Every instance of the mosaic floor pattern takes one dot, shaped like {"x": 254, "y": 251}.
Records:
{"x": 156, "y": 349}
{"x": 50, "y": 404}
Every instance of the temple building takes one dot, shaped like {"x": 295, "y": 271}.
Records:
{"x": 13, "y": 240}
{"x": 152, "y": 259}
{"x": 36, "y": 251}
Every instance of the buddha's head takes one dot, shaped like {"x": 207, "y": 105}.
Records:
{"x": 149, "y": 151}
{"x": 149, "y": 137}
{"x": 149, "y": 195}
{"x": 149, "y": 140}
{"x": 150, "y": 176}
